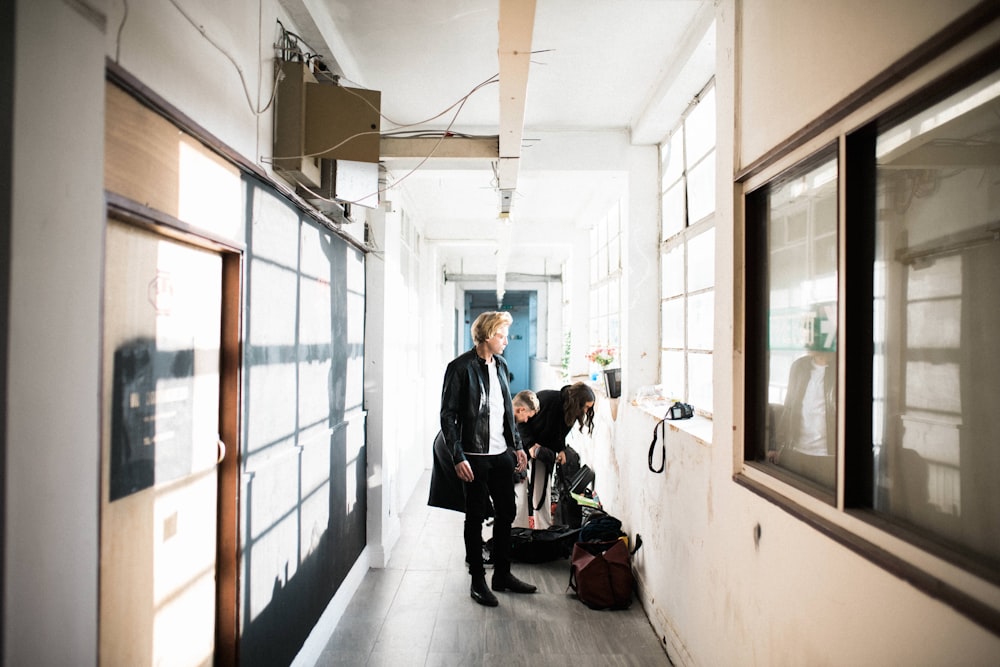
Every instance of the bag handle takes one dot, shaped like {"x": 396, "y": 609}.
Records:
{"x": 662, "y": 425}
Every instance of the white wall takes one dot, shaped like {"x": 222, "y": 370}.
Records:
{"x": 807, "y": 55}
{"x": 715, "y": 591}
{"x": 50, "y": 580}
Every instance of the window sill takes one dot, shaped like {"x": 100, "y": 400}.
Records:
{"x": 698, "y": 427}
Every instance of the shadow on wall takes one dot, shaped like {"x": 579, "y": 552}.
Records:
{"x": 303, "y": 499}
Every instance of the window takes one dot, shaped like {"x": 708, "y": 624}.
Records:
{"x": 936, "y": 363}
{"x": 888, "y": 309}
{"x": 605, "y": 281}
{"x": 799, "y": 300}
{"x": 687, "y": 255}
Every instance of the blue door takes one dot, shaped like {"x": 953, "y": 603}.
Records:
{"x": 521, "y": 346}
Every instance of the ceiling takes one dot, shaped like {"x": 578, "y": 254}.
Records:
{"x": 596, "y": 68}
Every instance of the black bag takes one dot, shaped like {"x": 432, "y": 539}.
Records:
{"x": 537, "y": 545}
{"x": 571, "y": 477}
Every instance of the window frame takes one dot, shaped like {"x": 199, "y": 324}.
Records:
{"x": 604, "y": 327}
{"x": 681, "y": 239}
{"x": 947, "y": 63}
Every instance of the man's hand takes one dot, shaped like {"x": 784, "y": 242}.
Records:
{"x": 464, "y": 471}
{"x": 561, "y": 457}
{"x": 522, "y": 460}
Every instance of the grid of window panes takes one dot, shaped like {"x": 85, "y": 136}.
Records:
{"x": 931, "y": 373}
{"x": 687, "y": 255}
{"x": 605, "y": 281}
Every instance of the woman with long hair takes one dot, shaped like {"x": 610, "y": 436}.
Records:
{"x": 544, "y": 438}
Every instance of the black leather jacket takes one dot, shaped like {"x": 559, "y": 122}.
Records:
{"x": 465, "y": 418}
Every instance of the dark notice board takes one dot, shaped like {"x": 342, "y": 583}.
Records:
{"x": 151, "y": 426}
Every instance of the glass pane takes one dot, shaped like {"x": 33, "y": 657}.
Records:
{"x": 802, "y": 324}
{"x": 673, "y": 323}
{"x": 672, "y": 365}
{"x": 673, "y": 211}
{"x": 700, "y": 127}
{"x": 701, "y": 261}
{"x": 701, "y": 189}
{"x": 700, "y": 380}
{"x": 937, "y": 365}
{"x": 672, "y": 159}
{"x": 614, "y": 295}
{"x": 701, "y": 320}
{"x": 673, "y": 271}
{"x": 614, "y": 254}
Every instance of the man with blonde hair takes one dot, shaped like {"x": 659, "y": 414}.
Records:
{"x": 478, "y": 425}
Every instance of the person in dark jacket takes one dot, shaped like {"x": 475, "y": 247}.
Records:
{"x": 477, "y": 423}
{"x": 544, "y": 438}
{"x": 447, "y": 491}
{"x": 806, "y": 430}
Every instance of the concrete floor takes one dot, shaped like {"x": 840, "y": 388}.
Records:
{"x": 417, "y": 611}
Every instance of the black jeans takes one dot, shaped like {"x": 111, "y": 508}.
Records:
{"x": 493, "y": 477}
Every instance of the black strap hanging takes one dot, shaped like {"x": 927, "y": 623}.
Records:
{"x": 662, "y": 426}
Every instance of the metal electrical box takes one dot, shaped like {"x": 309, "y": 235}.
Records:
{"x": 316, "y": 121}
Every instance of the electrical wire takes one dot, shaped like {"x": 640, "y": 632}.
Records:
{"x": 118, "y": 36}
{"x": 493, "y": 79}
{"x": 443, "y": 134}
{"x": 239, "y": 70}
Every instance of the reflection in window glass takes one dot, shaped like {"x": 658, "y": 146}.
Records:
{"x": 937, "y": 364}
{"x": 802, "y": 324}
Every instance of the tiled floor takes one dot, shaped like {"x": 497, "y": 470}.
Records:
{"x": 417, "y": 611}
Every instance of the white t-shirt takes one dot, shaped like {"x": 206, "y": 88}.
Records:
{"x": 497, "y": 443}
{"x": 812, "y": 431}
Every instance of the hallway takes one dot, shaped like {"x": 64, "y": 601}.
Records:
{"x": 417, "y": 611}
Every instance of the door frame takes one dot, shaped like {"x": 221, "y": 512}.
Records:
{"x": 125, "y": 210}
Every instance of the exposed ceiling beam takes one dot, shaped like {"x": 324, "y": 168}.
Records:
{"x": 516, "y": 24}
{"x": 440, "y": 147}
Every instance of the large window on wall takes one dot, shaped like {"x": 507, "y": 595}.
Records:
{"x": 872, "y": 364}
{"x": 605, "y": 283}
{"x": 797, "y": 218}
{"x": 687, "y": 255}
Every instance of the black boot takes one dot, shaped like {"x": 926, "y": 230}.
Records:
{"x": 508, "y": 582}
{"x": 481, "y": 593}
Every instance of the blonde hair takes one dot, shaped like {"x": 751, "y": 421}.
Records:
{"x": 487, "y": 324}
{"x": 526, "y": 399}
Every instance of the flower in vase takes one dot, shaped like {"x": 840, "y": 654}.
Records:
{"x": 602, "y": 356}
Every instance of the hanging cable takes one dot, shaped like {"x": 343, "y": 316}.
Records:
{"x": 230, "y": 58}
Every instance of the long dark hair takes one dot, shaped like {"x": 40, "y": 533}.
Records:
{"x": 575, "y": 410}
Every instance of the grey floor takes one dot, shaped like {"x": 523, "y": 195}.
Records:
{"x": 417, "y": 611}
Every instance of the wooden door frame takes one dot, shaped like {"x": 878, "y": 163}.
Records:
{"x": 230, "y": 364}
